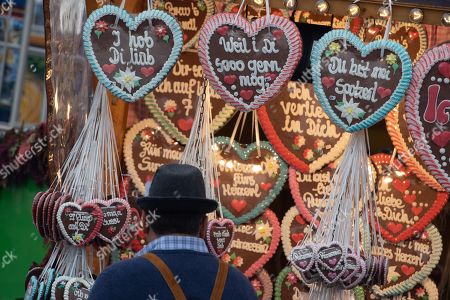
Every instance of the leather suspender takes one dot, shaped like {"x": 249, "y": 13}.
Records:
{"x": 177, "y": 292}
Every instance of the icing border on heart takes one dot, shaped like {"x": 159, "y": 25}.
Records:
{"x": 423, "y": 222}
{"x": 280, "y": 280}
{"x": 290, "y": 157}
{"x": 243, "y": 154}
{"x": 421, "y": 69}
{"x": 266, "y": 282}
{"x": 288, "y": 218}
{"x": 339, "y": 34}
{"x": 251, "y": 29}
{"x": 107, "y": 203}
{"x": 132, "y": 23}
{"x": 128, "y": 149}
{"x": 392, "y": 124}
{"x": 436, "y": 250}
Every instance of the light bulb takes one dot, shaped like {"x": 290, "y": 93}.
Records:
{"x": 322, "y": 6}
{"x": 384, "y": 13}
{"x": 353, "y": 10}
{"x": 416, "y": 15}
{"x": 446, "y": 19}
{"x": 290, "y": 4}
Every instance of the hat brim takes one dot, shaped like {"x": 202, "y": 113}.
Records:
{"x": 177, "y": 205}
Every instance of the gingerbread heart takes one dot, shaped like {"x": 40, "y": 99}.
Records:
{"x": 254, "y": 243}
{"x": 366, "y": 87}
{"x": 308, "y": 190}
{"x": 58, "y": 286}
{"x": 410, "y": 262}
{"x": 426, "y": 289}
{"x": 330, "y": 256}
{"x": 118, "y": 47}
{"x": 299, "y": 130}
{"x": 288, "y": 286}
{"x": 79, "y": 224}
{"x": 241, "y": 175}
{"x": 219, "y": 235}
{"x": 303, "y": 257}
{"x": 116, "y": 216}
{"x": 262, "y": 284}
{"x": 55, "y": 229}
{"x": 405, "y": 205}
{"x": 190, "y": 14}
{"x": 426, "y": 112}
{"x": 412, "y": 36}
{"x": 77, "y": 288}
{"x": 146, "y": 147}
{"x": 262, "y": 55}
{"x": 293, "y": 230}
{"x": 174, "y": 102}
{"x": 403, "y": 142}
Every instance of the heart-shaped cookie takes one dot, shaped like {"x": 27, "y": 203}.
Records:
{"x": 77, "y": 288}
{"x": 146, "y": 147}
{"x": 426, "y": 290}
{"x": 79, "y": 224}
{"x": 133, "y": 56}
{"x": 174, "y": 102}
{"x": 262, "y": 284}
{"x": 299, "y": 130}
{"x": 243, "y": 178}
{"x": 254, "y": 243}
{"x": 427, "y": 111}
{"x": 403, "y": 142}
{"x": 412, "y": 36}
{"x": 308, "y": 190}
{"x": 405, "y": 205}
{"x": 58, "y": 286}
{"x": 410, "y": 262}
{"x": 293, "y": 230}
{"x": 288, "y": 286}
{"x": 55, "y": 228}
{"x": 366, "y": 84}
{"x": 219, "y": 235}
{"x": 261, "y": 55}
{"x": 303, "y": 257}
{"x": 190, "y": 14}
{"x": 329, "y": 256}
{"x": 116, "y": 216}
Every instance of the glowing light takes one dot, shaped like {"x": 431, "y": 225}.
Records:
{"x": 229, "y": 164}
{"x": 416, "y": 15}
{"x": 256, "y": 168}
{"x": 387, "y": 179}
{"x": 384, "y": 13}
{"x": 353, "y": 10}
{"x": 322, "y": 6}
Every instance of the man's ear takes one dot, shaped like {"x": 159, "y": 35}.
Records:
{"x": 203, "y": 227}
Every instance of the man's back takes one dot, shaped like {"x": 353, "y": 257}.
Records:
{"x": 196, "y": 272}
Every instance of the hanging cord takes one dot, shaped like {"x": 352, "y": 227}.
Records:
{"x": 239, "y": 11}
{"x": 233, "y": 135}
{"x": 149, "y": 9}
{"x": 258, "y": 141}
{"x": 122, "y": 6}
{"x": 388, "y": 24}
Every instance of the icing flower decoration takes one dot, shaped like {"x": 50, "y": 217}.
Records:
{"x": 146, "y": 134}
{"x": 262, "y": 231}
{"x": 170, "y": 106}
{"x": 226, "y": 258}
{"x": 201, "y": 5}
{"x": 272, "y": 166}
{"x": 299, "y": 141}
{"x": 292, "y": 278}
{"x": 238, "y": 261}
{"x": 127, "y": 79}
{"x": 333, "y": 48}
{"x": 319, "y": 144}
{"x": 161, "y": 31}
{"x": 111, "y": 229}
{"x": 257, "y": 286}
{"x": 101, "y": 26}
{"x": 350, "y": 110}
{"x": 308, "y": 154}
{"x": 420, "y": 292}
{"x": 391, "y": 59}
{"x": 78, "y": 237}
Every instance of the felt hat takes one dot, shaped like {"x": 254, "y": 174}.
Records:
{"x": 177, "y": 188}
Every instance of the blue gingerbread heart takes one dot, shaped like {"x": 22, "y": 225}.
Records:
{"x": 131, "y": 55}
{"x": 358, "y": 84}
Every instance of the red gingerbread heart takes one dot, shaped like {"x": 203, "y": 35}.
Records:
{"x": 405, "y": 204}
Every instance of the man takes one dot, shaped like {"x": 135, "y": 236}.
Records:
{"x": 176, "y": 263}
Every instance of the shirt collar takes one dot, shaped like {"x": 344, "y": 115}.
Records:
{"x": 175, "y": 242}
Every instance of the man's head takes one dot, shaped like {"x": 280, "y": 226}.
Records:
{"x": 177, "y": 194}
